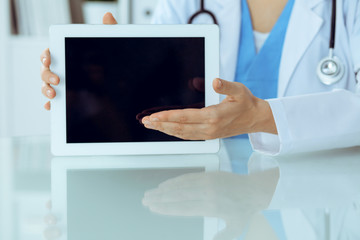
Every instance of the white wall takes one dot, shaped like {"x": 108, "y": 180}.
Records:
{"x": 21, "y": 103}
{"x": 22, "y": 110}
{"x": 26, "y": 113}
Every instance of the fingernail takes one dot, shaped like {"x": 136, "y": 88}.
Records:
{"x": 52, "y": 80}
{"x": 148, "y": 124}
{"x": 44, "y": 60}
{"x": 48, "y": 92}
{"x": 220, "y": 84}
{"x": 152, "y": 119}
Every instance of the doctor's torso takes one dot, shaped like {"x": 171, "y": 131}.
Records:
{"x": 306, "y": 41}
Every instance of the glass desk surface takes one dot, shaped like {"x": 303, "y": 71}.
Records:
{"x": 235, "y": 194}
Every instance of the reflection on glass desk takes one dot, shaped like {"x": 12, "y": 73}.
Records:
{"x": 235, "y": 194}
{"x": 119, "y": 183}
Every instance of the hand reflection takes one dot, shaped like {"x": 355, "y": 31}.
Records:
{"x": 51, "y": 231}
{"x": 196, "y": 84}
{"x": 236, "y": 199}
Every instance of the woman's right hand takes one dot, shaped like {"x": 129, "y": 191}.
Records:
{"x": 48, "y": 77}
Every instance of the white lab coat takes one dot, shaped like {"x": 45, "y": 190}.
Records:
{"x": 309, "y": 115}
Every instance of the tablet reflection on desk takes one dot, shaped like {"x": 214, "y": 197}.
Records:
{"x": 100, "y": 198}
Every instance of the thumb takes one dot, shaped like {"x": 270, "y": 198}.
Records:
{"x": 109, "y": 19}
{"x": 228, "y": 88}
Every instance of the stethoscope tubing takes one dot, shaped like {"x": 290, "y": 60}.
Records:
{"x": 203, "y": 11}
{"x": 333, "y": 25}
{"x": 327, "y": 79}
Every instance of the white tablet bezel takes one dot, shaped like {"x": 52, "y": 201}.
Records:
{"x": 61, "y": 165}
{"x": 58, "y": 33}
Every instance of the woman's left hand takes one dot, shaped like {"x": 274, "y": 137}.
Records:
{"x": 241, "y": 112}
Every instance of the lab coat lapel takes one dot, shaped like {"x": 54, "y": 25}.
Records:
{"x": 229, "y": 21}
{"x": 303, "y": 26}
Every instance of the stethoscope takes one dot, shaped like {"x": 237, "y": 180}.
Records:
{"x": 330, "y": 70}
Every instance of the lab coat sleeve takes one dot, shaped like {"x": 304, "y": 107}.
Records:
{"x": 319, "y": 121}
{"x": 312, "y": 123}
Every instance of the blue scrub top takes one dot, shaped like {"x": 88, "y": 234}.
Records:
{"x": 260, "y": 72}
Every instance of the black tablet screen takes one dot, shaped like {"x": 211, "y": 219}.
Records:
{"x": 111, "y": 83}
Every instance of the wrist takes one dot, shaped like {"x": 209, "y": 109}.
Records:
{"x": 264, "y": 120}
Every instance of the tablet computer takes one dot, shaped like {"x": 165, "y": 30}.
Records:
{"x": 101, "y": 197}
{"x": 112, "y": 76}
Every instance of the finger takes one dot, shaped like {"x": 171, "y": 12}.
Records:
{"x": 182, "y": 116}
{"x": 228, "y": 88}
{"x": 48, "y": 91}
{"x": 46, "y": 75}
{"x": 45, "y": 58}
{"x": 47, "y": 106}
{"x": 49, "y": 77}
{"x": 109, "y": 19}
{"x": 179, "y": 130}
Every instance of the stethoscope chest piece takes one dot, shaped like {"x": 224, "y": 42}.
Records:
{"x": 330, "y": 70}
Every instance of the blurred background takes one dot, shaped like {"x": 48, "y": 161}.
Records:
{"x": 25, "y": 161}
{"x": 24, "y": 28}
